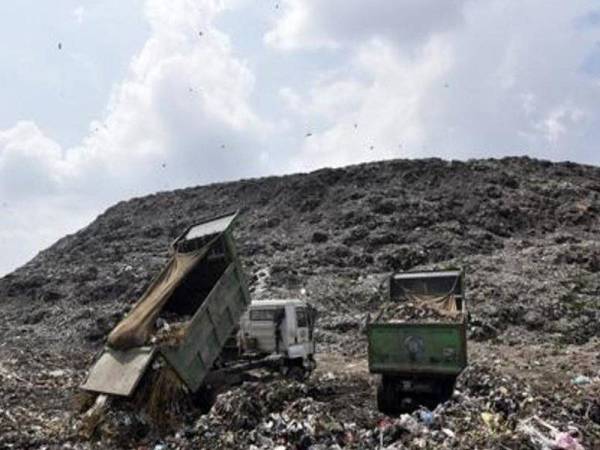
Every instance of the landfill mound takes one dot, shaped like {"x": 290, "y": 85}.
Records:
{"x": 525, "y": 230}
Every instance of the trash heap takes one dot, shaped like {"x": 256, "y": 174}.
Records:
{"x": 287, "y": 414}
{"x": 169, "y": 332}
{"x": 332, "y": 410}
{"x": 419, "y": 309}
{"x": 337, "y": 411}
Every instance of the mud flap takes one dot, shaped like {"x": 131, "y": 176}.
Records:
{"x": 118, "y": 372}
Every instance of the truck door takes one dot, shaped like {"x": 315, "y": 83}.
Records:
{"x": 302, "y": 325}
{"x": 263, "y": 328}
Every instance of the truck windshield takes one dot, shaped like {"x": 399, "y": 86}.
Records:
{"x": 264, "y": 315}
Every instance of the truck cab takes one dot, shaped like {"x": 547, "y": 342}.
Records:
{"x": 282, "y": 327}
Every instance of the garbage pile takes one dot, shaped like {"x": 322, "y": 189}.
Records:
{"x": 422, "y": 310}
{"x": 332, "y": 411}
{"x": 160, "y": 404}
{"x": 325, "y": 411}
{"x": 170, "y": 333}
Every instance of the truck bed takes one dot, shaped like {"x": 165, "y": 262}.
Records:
{"x": 421, "y": 328}
{"x": 211, "y": 295}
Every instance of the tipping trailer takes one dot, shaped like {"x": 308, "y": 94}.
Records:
{"x": 204, "y": 283}
{"x": 419, "y": 362}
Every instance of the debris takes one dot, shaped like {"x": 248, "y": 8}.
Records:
{"x": 491, "y": 420}
{"x": 568, "y": 441}
{"x": 420, "y": 310}
{"x": 581, "y": 380}
{"x": 426, "y": 417}
{"x": 93, "y": 416}
{"x": 557, "y": 440}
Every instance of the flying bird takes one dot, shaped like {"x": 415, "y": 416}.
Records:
{"x": 60, "y": 45}
{"x": 308, "y": 134}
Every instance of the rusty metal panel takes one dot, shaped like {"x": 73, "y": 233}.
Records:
{"x": 119, "y": 372}
{"x": 209, "y": 329}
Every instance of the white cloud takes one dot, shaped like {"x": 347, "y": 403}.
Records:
{"x": 495, "y": 78}
{"x": 30, "y": 163}
{"x": 334, "y": 23}
{"x": 185, "y": 97}
{"x": 79, "y": 13}
{"x": 380, "y": 117}
{"x": 181, "y": 116}
{"x": 559, "y": 122}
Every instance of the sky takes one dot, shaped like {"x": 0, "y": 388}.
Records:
{"x": 104, "y": 101}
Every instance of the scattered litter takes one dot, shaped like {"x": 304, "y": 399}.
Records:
{"x": 581, "y": 380}
{"x": 426, "y": 417}
{"x": 548, "y": 437}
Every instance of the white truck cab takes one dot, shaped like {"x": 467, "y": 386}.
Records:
{"x": 281, "y": 327}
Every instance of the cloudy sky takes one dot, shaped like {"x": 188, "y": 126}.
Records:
{"x": 102, "y": 101}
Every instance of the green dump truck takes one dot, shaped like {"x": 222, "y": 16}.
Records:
{"x": 417, "y": 343}
{"x": 185, "y": 316}
{"x": 193, "y": 319}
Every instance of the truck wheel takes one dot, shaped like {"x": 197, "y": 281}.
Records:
{"x": 447, "y": 388}
{"x": 296, "y": 373}
{"x": 385, "y": 398}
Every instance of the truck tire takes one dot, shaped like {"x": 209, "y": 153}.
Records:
{"x": 386, "y": 398}
{"x": 447, "y": 388}
{"x": 296, "y": 373}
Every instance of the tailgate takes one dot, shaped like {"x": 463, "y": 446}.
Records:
{"x": 432, "y": 348}
{"x": 118, "y": 372}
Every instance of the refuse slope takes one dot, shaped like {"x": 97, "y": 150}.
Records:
{"x": 526, "y": 230}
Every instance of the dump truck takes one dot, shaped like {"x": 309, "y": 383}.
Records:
{"x": 193, "y": 317}
{"x": 417, "y": 343}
